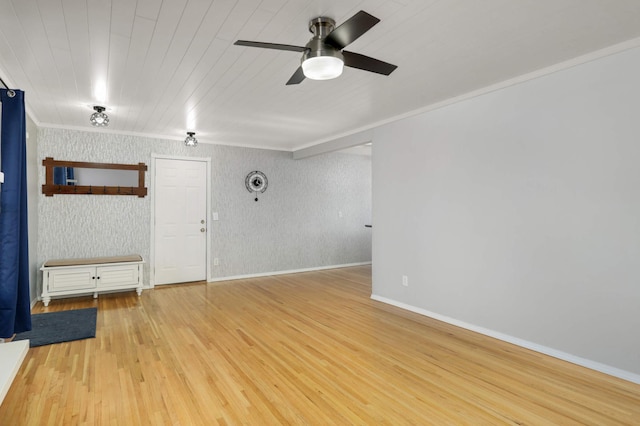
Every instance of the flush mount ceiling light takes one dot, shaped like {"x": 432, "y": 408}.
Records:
{"x": 322, "y": 67}
{"x": 191, "y": 139}
{"x": 322, "y": 64}
{"x": 99, "y": 118}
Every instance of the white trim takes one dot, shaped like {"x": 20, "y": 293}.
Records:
{"x": 12, "y": 355}
{"x": 152, "y": 220}
{"x": 163, "y": 137}
{"x": 291, "y": 271}
{"x": 592, "y": 56}
{"x": 593, "y": 365}
{"x": 209, "y": 222}
{"x": 178, "y": 157}
{"x": 152, "y": 184}
{"x": 349, "y": 141}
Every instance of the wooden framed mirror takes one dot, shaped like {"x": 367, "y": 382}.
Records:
{"x": 79, "y": 177}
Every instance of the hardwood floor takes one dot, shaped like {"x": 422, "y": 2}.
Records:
{"x": 308, "y": 348}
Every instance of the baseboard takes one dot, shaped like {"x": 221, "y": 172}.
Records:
{"x": 593, "y": 365}
{"x": 291, "y": 271}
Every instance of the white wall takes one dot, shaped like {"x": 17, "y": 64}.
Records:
{"x": 295, "y": 225}
{"x": 519, "y": 212}
{"x": 33, "y": 189}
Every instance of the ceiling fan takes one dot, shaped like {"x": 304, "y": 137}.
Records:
{"x": 323, "y": 57}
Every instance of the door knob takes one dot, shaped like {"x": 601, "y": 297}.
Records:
{"x": 202, "y": 221}
{"x": 202, "y": 229}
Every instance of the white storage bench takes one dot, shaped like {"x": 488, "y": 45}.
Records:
{"x": 65, "y": 277}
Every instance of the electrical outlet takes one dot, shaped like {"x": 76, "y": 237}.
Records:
{"x": 405, "y": 281}
{"x": 340, "y": 213}
{"x": 216, "y": 261}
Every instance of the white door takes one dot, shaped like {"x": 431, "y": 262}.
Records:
{"x": 180, "y": 221}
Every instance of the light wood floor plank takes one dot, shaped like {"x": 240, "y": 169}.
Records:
{"x": 308, "y": 348}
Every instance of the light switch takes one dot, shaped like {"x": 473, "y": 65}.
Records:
{"x": 214, "y": 215}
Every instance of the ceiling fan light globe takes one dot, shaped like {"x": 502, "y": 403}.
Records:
{"x": 322, "y": 67}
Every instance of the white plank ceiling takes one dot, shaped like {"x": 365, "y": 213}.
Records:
{"x": 163, "y": 67}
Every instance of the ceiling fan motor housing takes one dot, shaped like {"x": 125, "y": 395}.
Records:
{"x": 320, "y": 27}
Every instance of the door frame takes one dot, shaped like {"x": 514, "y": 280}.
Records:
{"x": 152, "y": 196}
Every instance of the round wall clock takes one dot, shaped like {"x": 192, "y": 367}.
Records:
{"x": 256, "y": 182}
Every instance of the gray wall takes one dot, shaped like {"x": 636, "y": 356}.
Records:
{"x": 295, "y": 225}
{"x": 519, "y": 211}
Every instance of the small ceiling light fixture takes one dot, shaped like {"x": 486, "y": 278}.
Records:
{"x": 99, "y": 118}
{"x": 191, "y": 139}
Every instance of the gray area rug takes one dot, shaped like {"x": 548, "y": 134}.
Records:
{"x": 63, "y": 326}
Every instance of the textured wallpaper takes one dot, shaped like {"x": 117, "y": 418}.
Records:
{"x": 295, "y": 224}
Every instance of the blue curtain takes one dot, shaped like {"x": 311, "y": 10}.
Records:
{"x": 70, "y": 176}
{"x": 59, "y": 176}
{"x": 63, "y": 176}
{"x": 15, "y": 309}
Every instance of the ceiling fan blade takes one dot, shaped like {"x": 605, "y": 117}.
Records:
{"x": 351, "y": 29}
{"x": 270, "y": 45}
{"x": 297, "y": 77}
{"x": 367, "y": 63}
